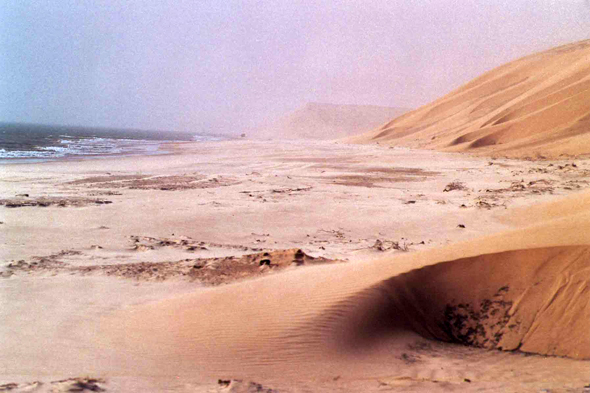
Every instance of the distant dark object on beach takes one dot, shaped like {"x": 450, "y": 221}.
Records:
{"x": 243, "y": 135}
{"x": 456, "y": 185}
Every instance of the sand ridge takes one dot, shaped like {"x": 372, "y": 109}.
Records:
{"x": 331, "y": 318}
{"x": 536, "y": 107}
{"x": 448, "y": 306}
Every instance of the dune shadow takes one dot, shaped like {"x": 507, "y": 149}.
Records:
{"x": 508, "y": 300}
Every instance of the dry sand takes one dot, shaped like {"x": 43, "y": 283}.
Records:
{"x": 316, "y": 266}
{"x": 537, "y": 106}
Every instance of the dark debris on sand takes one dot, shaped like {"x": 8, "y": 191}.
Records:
{"x": 240, "y": 386}
{"x": 207, "y": 271}
{"x": 53, "y": 201}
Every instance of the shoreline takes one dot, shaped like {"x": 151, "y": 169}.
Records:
{"x": 84, "y": 157}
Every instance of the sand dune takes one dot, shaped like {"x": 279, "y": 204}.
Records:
{"x": 537, "y": 106}
{"x": 501, "y": 292}
{"x": 328, "y": 121}
{"x": 507, "y": 300}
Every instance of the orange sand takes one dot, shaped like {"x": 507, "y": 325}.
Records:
{"x": 537, "y": 106}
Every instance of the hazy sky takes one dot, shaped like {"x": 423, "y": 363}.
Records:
{"x": 227, "y": 65}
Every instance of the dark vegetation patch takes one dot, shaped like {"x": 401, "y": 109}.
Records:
{"x": 455, "y": 186}
{"x": 480, "y": 325}
{"x": 52, "y": 201}
{"x": 151, "y": 182}
{"x": 208, "y": 271}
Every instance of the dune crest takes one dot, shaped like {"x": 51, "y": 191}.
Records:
{"x": 537, "y": 106}
{"x": 500, "y": 292}
{"x": 513, "y": 301}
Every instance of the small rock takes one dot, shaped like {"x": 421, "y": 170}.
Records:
{"x": 299, "y": 258}
{"x": 224, "y": 382}
{"x": 299, "y": 254}
{"x": 461, "y": 226}
{"x": 379, "y": 245}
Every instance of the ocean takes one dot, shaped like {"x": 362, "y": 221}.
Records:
{"x": 40, "y": 142}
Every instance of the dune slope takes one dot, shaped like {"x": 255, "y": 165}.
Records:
{"x": 513, "y": 302}
{"x": 522, "y": 290}
{"x": 537, "y": 106}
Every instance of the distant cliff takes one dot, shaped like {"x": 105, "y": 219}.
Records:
{"x": 328, "y": 121}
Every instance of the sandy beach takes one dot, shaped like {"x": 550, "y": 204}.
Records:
{"x": 291, "y": 266}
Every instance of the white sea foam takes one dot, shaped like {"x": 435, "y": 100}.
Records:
{"x": 206, "y": 138}
{"x": 85, "y": 147}
{"x": 28, "y": 154}
{"x": 68, "y": 146}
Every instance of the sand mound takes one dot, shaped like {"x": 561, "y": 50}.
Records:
{"x": 511, "y": 302}
{"x": 537, "y": 106}
{"x": 524, "y": 290}
{"x": 328, "y": 121}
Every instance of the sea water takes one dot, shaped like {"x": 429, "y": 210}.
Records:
{"x": 40, "y": 142}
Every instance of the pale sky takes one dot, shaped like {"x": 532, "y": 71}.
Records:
{"x": 225, "y": 66}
